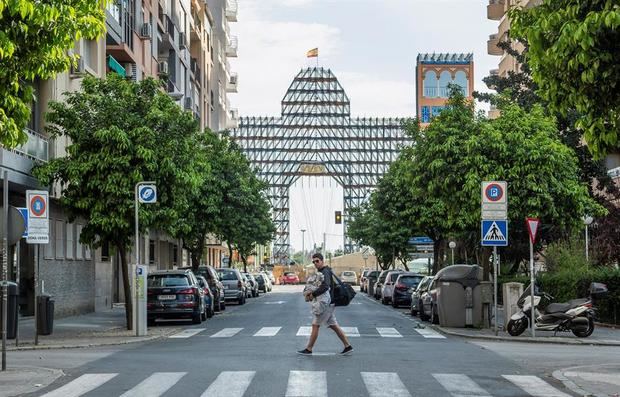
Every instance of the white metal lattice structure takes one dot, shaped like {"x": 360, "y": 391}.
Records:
{"x": 316, "y": 135}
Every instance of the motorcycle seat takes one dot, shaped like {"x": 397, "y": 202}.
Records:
{"x": 558, "y": 307}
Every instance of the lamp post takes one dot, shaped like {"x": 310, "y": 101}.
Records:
{"x": 452, "y": 246}
{"x": 587, "y": 221}
{"x": 303, "y": 252}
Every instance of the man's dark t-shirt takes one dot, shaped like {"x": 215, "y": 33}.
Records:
{"x": 327, "y": 283}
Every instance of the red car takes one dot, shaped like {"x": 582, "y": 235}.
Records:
{"x": 289, "y": 278}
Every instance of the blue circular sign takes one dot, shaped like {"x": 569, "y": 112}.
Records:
{"x": 494, "y": 192}
{"x": 147, "y": 194}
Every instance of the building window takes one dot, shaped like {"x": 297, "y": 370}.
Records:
{"x": 48, "y": 251}
{"x": 151, "y": 252}
{"x": 79, "y": 253}
{"x": 445, "y": 78}
{"x": 105, "y": 252}
{"x": 430, "y": 84}
{"x": 460, "y": 79}
{"x": 60, "y": 247}
{"x": 426, "y": 114}
{"x": 69, "y": 240}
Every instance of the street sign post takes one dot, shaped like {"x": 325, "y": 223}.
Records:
{"x": 144, "y": 192}
{"x": 494, "y": 200}
{"x": 424, "y": 247}
{"x": 38, "y": 232}
{"x": 532, "y": 229}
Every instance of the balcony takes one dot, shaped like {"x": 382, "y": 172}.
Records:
{"x": 430, "y": 92}
{"x": 232, "y": 7}
{"x": 231, "y": 83}
{"x": 36, "y": 148}
{"x": 504, "y": 27}
{"x": 495, "y": 10}
{"x": 492, "y": 47}
{"x": 167, "y": 39}
{"x": 232, "y": 121}
{"x": 196, "y": 71}
{"x": 231, "y": 47}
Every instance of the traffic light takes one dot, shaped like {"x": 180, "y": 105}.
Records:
{"x": 338, "y": 217}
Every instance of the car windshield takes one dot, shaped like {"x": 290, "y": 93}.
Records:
{"x": 365, "y": 273}
{"x": 374, "y": 274}
{"x": 410, "y": 281}
{"x": 348, "y": 274}
{"x": 394, "y": 276}
{"x": 168, "y": 280}
{"x": 227, "y": 276}
{"x": 289, "y": 274}
{"x": 259, "y": 277}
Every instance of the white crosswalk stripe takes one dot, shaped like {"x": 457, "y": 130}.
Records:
{"x": 459, "y": 385}
{"x": 384, "y": 384}
{"x": 351, "y": 331}
{"x": 389, "y": 332}
{"x": 81, "y": 385}
{"x": 535, "y": 386}
{"x": 230, "y": 384}
{"x": 307, "y": 384}
{"x": 226, "y": 333}
{"x": 429, "y": 333}
{"x": 268, "y": 331}
{"x": 155, "y": 385}
{"x": 186, "y": 333}
{"x": 304, "y": 331}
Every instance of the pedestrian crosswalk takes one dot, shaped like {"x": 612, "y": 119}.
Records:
{"x": 352, "y": 332}
{"x": 314, "y": 384}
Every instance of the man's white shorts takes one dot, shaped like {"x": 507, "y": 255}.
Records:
{"x": 326, "y": 318}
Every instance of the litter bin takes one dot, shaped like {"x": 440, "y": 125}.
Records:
{"x": 11, "y": 324}
{"x": 45, "y": 320}
{"x": 459, "y": 301}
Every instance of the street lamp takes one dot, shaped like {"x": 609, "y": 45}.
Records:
{"x": 303, "y": 253}
{"x": 587, "y": 221}
{"x": 452, "y": 246}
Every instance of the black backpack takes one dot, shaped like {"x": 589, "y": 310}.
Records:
{"x": 343, "y": 293}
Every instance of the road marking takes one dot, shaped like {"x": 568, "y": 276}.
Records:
{"x": 459, "y": 385}
{"x": 274, "y": 303}
{"x": 155, "y": 385}
{"x": 389, "y": 333}
{"x": 613, "y": 379}
{"x": 307, "y": 384}
{"x": 429, "y": 333}
{"x": 304, "y": 331}
{"x": 384, "y": 384}
{"x": 186, "y": 333}
{"x": 351, "y": 331}
{"x": 226, "y": 333}
{"x": 230, "y": 384}
{"x": 81, "y": 385}
{"x": 535, "y": 386}
{"x": 268, "y": 331}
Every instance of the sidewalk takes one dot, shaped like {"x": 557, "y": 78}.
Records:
{"x": 93, "y": 329}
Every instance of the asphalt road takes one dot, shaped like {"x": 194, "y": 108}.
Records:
{"x": 250, "y": 350}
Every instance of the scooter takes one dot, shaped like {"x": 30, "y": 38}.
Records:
{"x": 576, "y": 315}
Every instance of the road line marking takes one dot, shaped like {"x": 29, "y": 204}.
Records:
{"x": 230, "y": 384}
{"x": 612, "y": 379}
{"x": 304, "y": 331}
{"x": 351, "y": 331}
{"x": 274, "y": 303}
{"x": 307, "y": 384}
{"x": 384, "y": 384}
{"x": 226, "y": 333}
{"x": 535, "y": 386}
{"x": 268, "y": 331}
{"x": 389, "y": 333}
{"x": 459, "y": 385}
{"x": 186, "y": 333}
{"x": 81, "y": 385}
{"x": 429, "y": 333}
{"x": 155, "y": 385}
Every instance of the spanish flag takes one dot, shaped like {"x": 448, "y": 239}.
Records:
{"x": 313, "y": 53}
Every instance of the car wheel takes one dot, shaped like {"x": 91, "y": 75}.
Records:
{"x": 223, "y": 305}
{"x": 150, "y": 322}
{"x": 423, "y": 315}
{"x": 197, "y": 318}
{"x": 414, "y": 312}
{"x": 394, "y": 304}
{"x": 210, "y": 313}
{"x": 434, "y": 316}
{"x": 203, "y": 315}
{"x": 384, "y": 301}
{"x": 218, "y": 306}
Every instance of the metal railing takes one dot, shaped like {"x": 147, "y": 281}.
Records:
{"x": 36, "y": 148}
{"x": 430, "y": 92}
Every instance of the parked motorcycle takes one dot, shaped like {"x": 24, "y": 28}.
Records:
{"x": 576, "y": 315}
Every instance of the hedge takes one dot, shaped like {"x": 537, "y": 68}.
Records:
{"x": 567, "y": 285}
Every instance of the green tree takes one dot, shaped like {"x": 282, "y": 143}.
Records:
{"x": 574, "y": 54}
{"x": 120, "y": 134}
{"x": 35, "y": 39}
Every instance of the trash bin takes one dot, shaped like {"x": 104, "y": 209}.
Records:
{"x": 459, "y": 301}
{"x": 45, "y": 320}
{"x": 11, "y": 325}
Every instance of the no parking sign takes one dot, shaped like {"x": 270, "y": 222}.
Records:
{"x": 38, "y": 217}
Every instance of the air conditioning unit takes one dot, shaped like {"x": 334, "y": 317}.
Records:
{"x": 78, "y": 69}
{"x": 188, "y": 103}
{"x": 182, "y": 42}
{"x": 162, "y": 67}
{"x": 146, "y": 31}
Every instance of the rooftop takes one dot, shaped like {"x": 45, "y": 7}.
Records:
{"x": 445, "y": 58}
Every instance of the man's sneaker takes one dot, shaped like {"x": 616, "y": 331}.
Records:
{"x": 347, "y": 350}
{"x": 305, "y": 352}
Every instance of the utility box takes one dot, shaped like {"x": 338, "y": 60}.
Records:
{"x": 12, "y": 309}
{"x": 45, "y": 314}
{"x": 510, "y": 295}
{"x": 459, "y": 300}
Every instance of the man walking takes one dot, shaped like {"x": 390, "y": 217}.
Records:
{"x": 327, "y": 317}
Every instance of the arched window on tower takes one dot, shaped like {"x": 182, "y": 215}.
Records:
{"x": 460, "y": 79}
{"x": 445, "y": 78}
{"x": 430, "y": 84}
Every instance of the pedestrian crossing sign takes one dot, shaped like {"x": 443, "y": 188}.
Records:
{"x": 495, "y": 233}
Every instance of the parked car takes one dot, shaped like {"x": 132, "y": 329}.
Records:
{"x": 289, "y": 278}
{"x": 215, "y": 285}
{"x": 268, "y": 281}
{"x": 428, "y": 305}
{"x": 348, "y": 277}
{"x": 388, "y": 286}
{"x": 379, "y": 284}
{"x": 254, "y": 290}
{"x": 371, "y": 277}
{"x": 208, "y": 296}
{"x": 416, "y": 295}
{"x": 235, "y": 287}
{"x": 271, "y": 277}
{"x": 174, "y": 294}
{"x": 363, "y": 280}
{"x": 403, "y": 288}
{"x": 263, "y": 282}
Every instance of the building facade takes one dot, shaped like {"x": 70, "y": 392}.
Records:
{"x": 434, "y": 74}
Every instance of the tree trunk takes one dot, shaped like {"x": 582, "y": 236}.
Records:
{"x": 230, "y": 253}
{"x": 195, "y": 260}
{"x": 126, "y": 286}
{"x": 436, "y": 245}
{"x": 245, "y": 263}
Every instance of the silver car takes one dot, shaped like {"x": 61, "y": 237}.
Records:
{"x": 235, "y": 286}
{"x": 348, "y": 277}
{"x": 388, "y": 286}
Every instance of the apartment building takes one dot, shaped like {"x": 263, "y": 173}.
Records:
{"x": 434, "y": 73}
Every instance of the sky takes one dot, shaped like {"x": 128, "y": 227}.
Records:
{"x": 371, "y": 47}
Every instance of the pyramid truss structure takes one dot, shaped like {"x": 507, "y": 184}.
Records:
{"x": 316, "y": 136}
